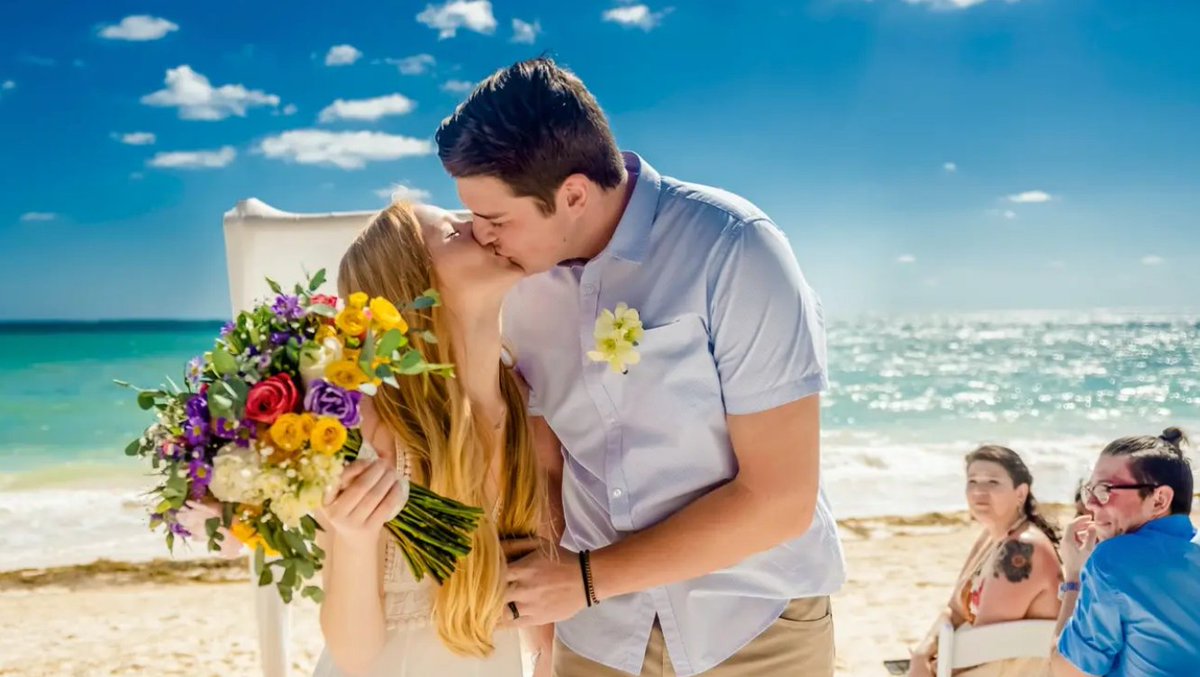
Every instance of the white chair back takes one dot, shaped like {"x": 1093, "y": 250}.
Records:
{"x": 261, "y": 242}
{"x": 969, "y": 646}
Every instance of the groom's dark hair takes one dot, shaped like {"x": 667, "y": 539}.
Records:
{"x": 531, "y": 125}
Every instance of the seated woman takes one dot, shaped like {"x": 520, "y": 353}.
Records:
{"x": 1013, "y": 570}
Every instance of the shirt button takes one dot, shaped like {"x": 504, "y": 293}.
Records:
{"x": 616, "y": 493}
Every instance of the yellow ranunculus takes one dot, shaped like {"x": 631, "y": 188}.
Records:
{"x": 385, "y": 315}
{"x": 288, "y": 432}
{"x": 324, "y": 332}
{"x": 352, "y": 321}
{"x": 357, "y": 300}
{"x": 345, "y": 374}
{"x": 307, "y": 421}
{"x": 328, "y": 435}
{"x": 250, "y": 538}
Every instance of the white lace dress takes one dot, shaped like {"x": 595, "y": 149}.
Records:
{"x": 413, "y": 648}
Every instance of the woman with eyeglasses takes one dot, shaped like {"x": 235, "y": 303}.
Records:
{"x": 1012, "y": 573}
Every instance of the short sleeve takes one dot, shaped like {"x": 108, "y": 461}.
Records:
{"x": 1094, "y": 635}
{"x": 766, "y": 323}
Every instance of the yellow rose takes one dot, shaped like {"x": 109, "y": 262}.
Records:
{"x": 385, "y": 315}
{"x": 352, "y": 321}
{"x": 357, "y": 300}
{"x": 345, "y": 374}
{"x": 288, "y": 432}
{"x": 328, "y": 435}
{"x": 251, "y": 538}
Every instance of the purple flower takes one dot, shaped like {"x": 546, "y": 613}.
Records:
{"x": 178, "y": 529}
{"x": 195, "y": 370}
{"x": 288, "y": 307}
{"x": 196, "y": 431}
{"x": 279, "y": 338}
{"x": 197, "y": 407}
{"x": 225, "y": 428}
{"x": 227, "y": 329}
{"x": 326, "y": 399}
{"x": 200, "y": 474}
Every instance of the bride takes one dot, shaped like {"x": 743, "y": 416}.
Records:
{"x": 465, "y": 437}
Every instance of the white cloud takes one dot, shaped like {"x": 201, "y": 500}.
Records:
{"x": 525, "y": 32}
{"x": 31, "y": 217}
{"x": 139, "y": 28}
{"x": 475, "y": 15}
{"x": 290, "y": 109}
{"x": 196, "y": 99}
{"x": 1152, "y": 260}
{"x": 458, "y": 86}
{"x": 413, "y": 65}
{"x": 342, "y": 55}
{"x": 136, "y": 138}
{"x": 347, "y": 150}
{"x": 1009, "y": 214}
{"x": 198, "y": 159}
{"x": 636, "y": 16}
{"x": 367, "y": 109}
{"x": 404, "y": 192}
{"x": 8, "y": 84}
{"x": 1031, "y": 197}
{"x": 906, "y": 259}
{"x": 950, "y": 167}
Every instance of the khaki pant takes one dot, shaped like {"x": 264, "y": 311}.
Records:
{"x": 799, "y": 644}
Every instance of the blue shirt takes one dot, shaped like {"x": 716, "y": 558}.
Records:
{"x": 731, "y": 327}
{"x": 1138, "y": 612}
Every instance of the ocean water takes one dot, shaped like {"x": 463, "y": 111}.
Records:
{"x": 909, "y": 397}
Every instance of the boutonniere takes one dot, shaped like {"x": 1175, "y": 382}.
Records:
{"x": 617, "y": 334}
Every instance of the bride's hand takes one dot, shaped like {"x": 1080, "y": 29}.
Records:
{"x": 371, "y": 493}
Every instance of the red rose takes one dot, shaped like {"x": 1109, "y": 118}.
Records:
{"x": 325, "y": 300}
{"x": 271, "y": 398}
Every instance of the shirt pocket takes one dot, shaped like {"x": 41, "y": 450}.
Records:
{"x": 675, "y": 377}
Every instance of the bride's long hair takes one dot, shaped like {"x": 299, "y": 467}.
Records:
{"x": 447, "y": 443}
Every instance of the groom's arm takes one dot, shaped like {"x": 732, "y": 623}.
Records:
{"x": 771, "y": 500}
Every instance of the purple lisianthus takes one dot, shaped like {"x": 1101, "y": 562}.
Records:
{"x": 279, "y": 338}
{"x": 326, "y": 399}
{"x": 201, "y": 474}
{"x": 197, "y": 407}
{"x": 288, "y": 307}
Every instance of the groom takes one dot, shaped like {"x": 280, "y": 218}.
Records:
{"x": 697, "y": 538}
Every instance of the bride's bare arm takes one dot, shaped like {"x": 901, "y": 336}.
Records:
{"x": 540, "y": 638}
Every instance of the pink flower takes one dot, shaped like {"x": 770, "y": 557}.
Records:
{"x": 194, "y": 514}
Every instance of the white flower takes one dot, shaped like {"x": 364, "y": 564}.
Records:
{"x": 321, "y": 469}
{"x": 617, "y": 333}
{"x": 272, "y": 483}
{"x": 235, "y": 471}
{"x": 315, "y": 358}
{"x": 289, "y": 509}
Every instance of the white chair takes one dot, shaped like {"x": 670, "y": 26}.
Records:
{"x": 968, "y": 646}
{"x": 261, "y": 242}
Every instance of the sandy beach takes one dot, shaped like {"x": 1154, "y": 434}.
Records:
{"x": 196, "y": 618}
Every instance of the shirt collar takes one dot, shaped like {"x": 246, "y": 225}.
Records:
{"x": 631, "y": 239}
{"x": 1179, "y": 526}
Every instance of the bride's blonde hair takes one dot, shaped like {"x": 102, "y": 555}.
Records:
{"x": 447, "y": 443}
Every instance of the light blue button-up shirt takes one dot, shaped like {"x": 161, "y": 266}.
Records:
{"x": 731, "y": 327}
{"x": 1138, "y": 612}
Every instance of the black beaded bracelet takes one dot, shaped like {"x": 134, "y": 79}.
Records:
{"x": 585, "y": 569}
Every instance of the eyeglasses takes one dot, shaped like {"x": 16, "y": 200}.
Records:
{"x": 1102, "y": 491}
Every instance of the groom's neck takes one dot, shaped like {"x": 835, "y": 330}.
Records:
{"x": 598, "y": 227}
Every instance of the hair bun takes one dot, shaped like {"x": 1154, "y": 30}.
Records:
{"x": 1173, "y": 436}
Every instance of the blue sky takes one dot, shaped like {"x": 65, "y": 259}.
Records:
{"x": 923, "y": 155}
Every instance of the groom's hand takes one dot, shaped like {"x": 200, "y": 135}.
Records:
{"x": 546, "y": 586}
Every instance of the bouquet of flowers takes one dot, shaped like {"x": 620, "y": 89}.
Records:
{"x": 266, "y": 421}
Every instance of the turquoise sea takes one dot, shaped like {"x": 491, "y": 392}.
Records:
{"x": 909, "y": 396}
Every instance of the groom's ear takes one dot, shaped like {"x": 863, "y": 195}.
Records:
{"x": 573, "y": 194}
